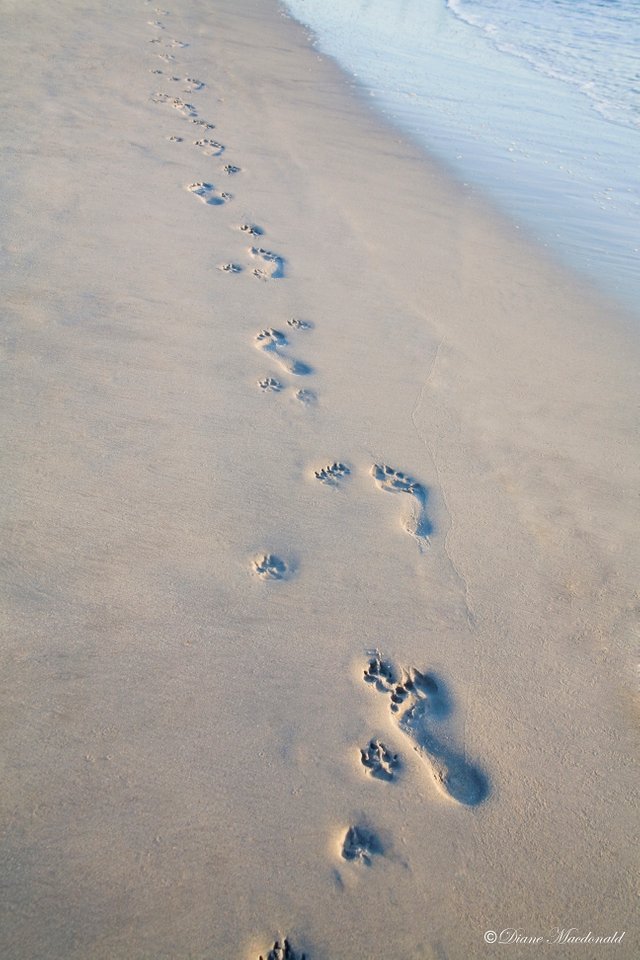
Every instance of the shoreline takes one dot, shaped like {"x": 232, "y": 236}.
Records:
{"x": 495, "y": 215}
{"x": 515, "y": 201}
{"x": 191, "y": 607}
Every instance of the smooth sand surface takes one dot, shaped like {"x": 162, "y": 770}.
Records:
{"x": 190, "y": 609}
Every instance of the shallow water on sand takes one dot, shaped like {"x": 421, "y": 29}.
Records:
{"x": 538, "y": 103}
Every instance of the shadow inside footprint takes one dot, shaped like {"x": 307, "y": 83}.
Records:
{"x": 379, "y": 761}
{"x": 269, "y": 567}
{"x": 332, "y": 473}
{"x": 211, "y": 148}
{"x": 420, "y": 702}
{"x": 394, "y": 481}
{"x": 306, "y": 397}
{"x": 272, "y": 267}
{"x": 252, "y": 229}
{"x": 270, "y": 385}
{"x": 208, "y": 193}
{"x": 298, "y": 368}
{"x": 360, "y": 845}
{"x": 272, "y": 341}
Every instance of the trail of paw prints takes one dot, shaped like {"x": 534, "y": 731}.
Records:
{"x": 282, "y": 951}
{"x": 419, "y": 704}
{"x": 270, "y": 265}
{"x": 393, "y": 481}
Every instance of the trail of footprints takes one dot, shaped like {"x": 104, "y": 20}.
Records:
{"x": 418, "y": 703}
{"x": 265, "y": 265}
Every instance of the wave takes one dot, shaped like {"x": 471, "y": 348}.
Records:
{"x": 590, "y": 44}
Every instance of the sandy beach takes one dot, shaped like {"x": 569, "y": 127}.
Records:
{"x": 320, "y": 521}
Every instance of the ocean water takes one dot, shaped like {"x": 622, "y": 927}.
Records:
{"x": 535, "y": 102}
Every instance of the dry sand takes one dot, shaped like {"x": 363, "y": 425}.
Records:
{"x": 190, "y": 609}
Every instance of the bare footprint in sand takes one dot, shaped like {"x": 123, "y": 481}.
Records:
{"x": 204, "y": 124}
{"x": 230, "y": 267}
{"x": 283, "y": 952}
{"x": 252, "y": 229}
{"x": 271, "y": 264}
{"x": 177, "y": 103}
{"x": 210, "y": 148}
{"x": 186, "y": 109}
{"x": 420, "y": 704}
{"x": 193, "y": 85}
{"x": 208, "y": 193}
{"x": 230, "y": 169}
{"x": 272, "y": 341}
{"x": 393, "y": 481}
